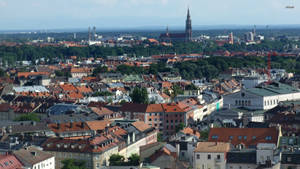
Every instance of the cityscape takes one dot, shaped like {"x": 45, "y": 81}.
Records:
{"x": 166, "y": 96}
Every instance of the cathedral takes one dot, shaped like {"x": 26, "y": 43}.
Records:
{"x": 183, "y": 37}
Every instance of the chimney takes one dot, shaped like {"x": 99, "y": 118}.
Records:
{"x": 178, "y": 149}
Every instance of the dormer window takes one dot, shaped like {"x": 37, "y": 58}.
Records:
{"x": 214, "y": 137}
{"x": 268, "y": 138}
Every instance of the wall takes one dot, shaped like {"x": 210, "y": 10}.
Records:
{"x": 212, "y": 163}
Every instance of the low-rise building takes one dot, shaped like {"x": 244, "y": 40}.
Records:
{"x": 211, "y": 155}
{"x": 33, "y": 158}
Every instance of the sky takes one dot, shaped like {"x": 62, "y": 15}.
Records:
{"x": 65, "y": 14}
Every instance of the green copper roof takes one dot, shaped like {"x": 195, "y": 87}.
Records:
{"x": 273, "y": 89}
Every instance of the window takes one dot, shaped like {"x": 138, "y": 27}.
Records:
{"x": 253, "y": 137}
{"x": 218, "y": 157}
{"x": 240, "y": 137}
{"x": 230, "y": 137}
{"x": 167, "y": 121}
{"x": 289, "y": 159}
{"x": 176, "y": 121}
{"x": 208, "y": 156}
{"x": 268, "y": 138}
{"x": 198, "y": 156}
{"x": 150, "y": 119}
{"x": 171, "y": 121}
{"x": 245, "y": 137}
{"x": 236, "y": 102}
{"x": 214, "y": 137}
{"x": 155, "y": 119}
{"x": 150, "y": 114}
{"x": 182, "y": 153}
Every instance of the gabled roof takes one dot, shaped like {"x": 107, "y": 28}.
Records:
{"x": 98, "y": 125}
{"x": 172, "y": 108}
{"x": 141, "y": 126}
{"x": 152, "y": 108}
{"x": 246, "y": 136}
{"x": 31, "y": 155}
{"x": 212, "y": 147}
{"x": 9, "y": 162}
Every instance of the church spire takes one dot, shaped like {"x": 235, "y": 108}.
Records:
{"x": 188, "y": 26}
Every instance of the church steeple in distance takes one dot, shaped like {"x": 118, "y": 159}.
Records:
{"x": 188, "y": 26}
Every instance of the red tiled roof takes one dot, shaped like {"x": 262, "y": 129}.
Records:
{"x": 168, "y": 108}
{"x": 84, "y": 89}
{"x": 246, "y": 136}
{"x": 27, "y": 74}
{"x": 98, "y": 125}
{"x": 190, "y": 131}
{"x": 141, "y": 126}
{"x": 68, "y": 87}
{"x": 66, "y": 127}
{"x": 84, "y": 146}
{"x": 9, "y": 162}
{"x": 152, "y": 108}
{"x": 102, "y": 111}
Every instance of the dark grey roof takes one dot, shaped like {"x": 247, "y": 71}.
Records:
{"x": 31, "y": 155}
{"x": 243, "y": 156}
{"x": 290, "y": 157}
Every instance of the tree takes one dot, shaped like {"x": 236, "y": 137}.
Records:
{"x": 73, "y": 164}
{"x": 139, "y": 95}
{"x": 100, "y": 69}
{"x": 204, "y": 135}
{"x": 116, "y": 160}
{"x": 176, "y": 90}
{"x": 2, "y": 73}
{"x": 134, "y": 160}
{"x": 191, "y": 87}
{"x": 179, "y": 127}
{"x": 159, "y": 137}
{"x": 105, "y": 93}
{"x": 28, "y": 117}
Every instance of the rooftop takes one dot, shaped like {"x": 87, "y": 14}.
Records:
{"x": 212, "y": 147}
{"x": 273, "y": 89}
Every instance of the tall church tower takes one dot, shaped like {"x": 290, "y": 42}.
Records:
{"x": 188, "y": 27}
